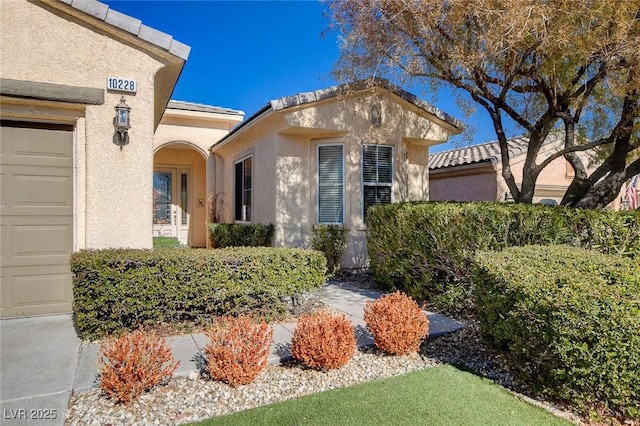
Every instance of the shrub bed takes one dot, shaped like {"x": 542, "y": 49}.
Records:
{"x": 331, "y": 240}
{"x": 323, "y": 341}
{"x": 240, "y": 235}
{"x": 125, "y": 289}
{"x": 397, "y": 323}
{"x": 426, "y": 249}
{"x": 134, "y": 363}
{"x": 238, "y": 350}
{"x": 567, "y": 320}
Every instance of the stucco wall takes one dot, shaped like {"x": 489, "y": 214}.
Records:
{"x": 284, "y": 147}
{"x": 195, "y": 128}
{"x": 261, "y": 145}
{"x": 480, "y": 184}
{"x": 294, "y": 180}
{"x": 112, "y": 195}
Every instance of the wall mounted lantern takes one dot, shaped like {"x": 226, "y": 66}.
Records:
{"x": 122, "y": 123}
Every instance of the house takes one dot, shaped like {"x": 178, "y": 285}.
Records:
{"x": 95, "y": 155}
{"x": 325, "y": 157}
{"x": 474, "y": 173}
{"x": 184, "y": 169}
{"x": 67, "y": 181}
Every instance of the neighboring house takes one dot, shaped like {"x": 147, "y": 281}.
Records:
{"x": 66, "y": 185}
{"x": 71, "y": 180}
{"x": 325, "y": 157}
{"x": 474, "y": 173}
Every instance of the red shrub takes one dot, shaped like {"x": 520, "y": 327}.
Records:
{"x": 133, "y": 363}
{"x": 397, "y": 323}
{"x": 238, "y": 350}
{"x": 323, "y": 341}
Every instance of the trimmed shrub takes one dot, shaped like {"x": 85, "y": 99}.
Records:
{"x": 134, "y": 363}
{"x": 125, "y": 289}
{"x": 567, "y": 321}
{"x": 331, "y": 240}
{"x": 397, "y": 323}
{"x": 426, "y": 248}
{"x": 323, "y": 341}
{"x": 240, "y": 235}
{"x": 238, "y": 350}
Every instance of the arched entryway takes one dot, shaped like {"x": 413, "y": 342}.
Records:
{"x": 180, "y": 193}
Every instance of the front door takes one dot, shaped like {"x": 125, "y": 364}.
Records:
{"x": 171, "y": 209}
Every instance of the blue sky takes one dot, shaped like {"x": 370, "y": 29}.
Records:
{"x": 245, "y": 53}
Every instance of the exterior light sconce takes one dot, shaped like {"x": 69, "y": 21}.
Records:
{"x": 375, "y": 115}
{"x": 122, "y": 123}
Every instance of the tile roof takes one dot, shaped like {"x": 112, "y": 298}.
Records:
{"x": 486, "y": 152}
{"x": 192, "y": 106}
{"x": 343, "y": 89}
{"x": 132, "y": 25}
{"x": 330, "y": 92}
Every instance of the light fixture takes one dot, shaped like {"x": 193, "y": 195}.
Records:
{"x": 375, "y": 115}
{"x": 122, "y": 123}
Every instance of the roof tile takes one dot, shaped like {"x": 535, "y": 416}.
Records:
{"x": 131, "y": 25}
{"x": 486, "y": 152}
{"x": 123, "y": 21}
{"x": 192, "y": 106}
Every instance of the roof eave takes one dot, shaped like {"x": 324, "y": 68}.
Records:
{"x": 242, "y": 127}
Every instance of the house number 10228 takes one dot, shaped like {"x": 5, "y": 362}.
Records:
{"x": 122, "y": 85}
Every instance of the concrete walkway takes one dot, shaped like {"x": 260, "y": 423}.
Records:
{"x": 42, "y": 360}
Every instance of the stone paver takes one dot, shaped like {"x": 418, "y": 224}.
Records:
{"x": 185, "y": 350}
{"x": 87, "y": 372}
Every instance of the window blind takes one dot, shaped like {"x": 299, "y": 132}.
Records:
{"x": 330, "y": 184}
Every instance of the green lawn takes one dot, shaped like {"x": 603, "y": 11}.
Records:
{"x": 436, "y": 396}
{"x": 165, "y": 242}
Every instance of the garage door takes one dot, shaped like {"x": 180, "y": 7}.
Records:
{"x": 36, "y": 218}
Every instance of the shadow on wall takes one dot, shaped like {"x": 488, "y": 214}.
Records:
{"x": 292, "y": 202}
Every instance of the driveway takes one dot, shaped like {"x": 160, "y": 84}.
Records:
{"x": 38, "y": 361}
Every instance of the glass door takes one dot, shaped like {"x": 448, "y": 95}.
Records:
{"x": 171, "y": 203}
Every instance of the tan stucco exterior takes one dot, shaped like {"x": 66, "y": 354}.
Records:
{"x": 182, "y": 142}
{"x": 284, "y": 144}
{"x": 51, "y": 42}
{"x": 56, "y": 58}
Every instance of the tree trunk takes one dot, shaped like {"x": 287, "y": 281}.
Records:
{"x": 602, "y": 193}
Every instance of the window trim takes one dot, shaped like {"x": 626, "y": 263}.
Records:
{"x": 317, "y": 195}
{"x": 362, "y": 182}
{"x": 235, "y": 163}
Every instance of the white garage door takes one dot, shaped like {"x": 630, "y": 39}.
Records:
{"x": 36, "y": 218}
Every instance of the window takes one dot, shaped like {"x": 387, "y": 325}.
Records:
{"x": 330, "y": 184}
{"x": 162, "y": 197}
{"x": 243, "y": 190}
{"x": 377, "y": 175}
{"x": 184, "y": 198}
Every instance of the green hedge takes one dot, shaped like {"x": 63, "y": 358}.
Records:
{"x": 125, "y": 289}
{"x": 425, "y": 249}
{"x": 240, "y": 235}
{"x": 567, "y": 321}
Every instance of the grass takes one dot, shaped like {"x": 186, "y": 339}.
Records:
{"x": 436, "y": 396}
{"x": 165, "y": 242}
